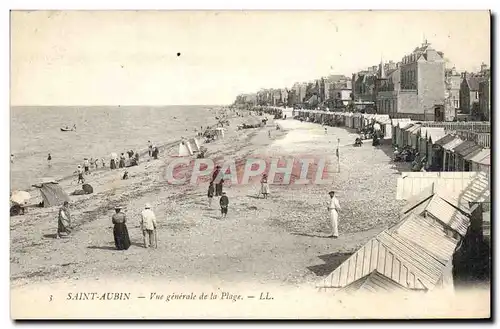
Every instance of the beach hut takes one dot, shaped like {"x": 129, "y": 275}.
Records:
{"x": 434, "y": 152}
{"x": 349, "y": 120}
{"x": 424, "y": 140}
{"x": 395, "y": 256}
{"x": 400, "y": 132}
{"x": 195, "y": 145}
{"x": 461, "y": 151}
{"x": 219, "y": 132}
{"x": 385, "y": 124}
{"x": 185, "y": 149}
{"x": 52, "y": 193}
{"x": 480, "y": 161}
{"x": 449, "y": 160}
{"x": 356, "y": 119}
{"x": 374, "y": 283}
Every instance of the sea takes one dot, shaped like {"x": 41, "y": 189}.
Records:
{"x": 100, "y": 130}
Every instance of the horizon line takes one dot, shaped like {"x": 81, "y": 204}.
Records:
{"x": 110, "y": 105}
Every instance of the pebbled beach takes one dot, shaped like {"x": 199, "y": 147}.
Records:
{"x": 281, "y": 240}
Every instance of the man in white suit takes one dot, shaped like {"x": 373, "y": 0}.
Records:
{"x": 334, "y": 209}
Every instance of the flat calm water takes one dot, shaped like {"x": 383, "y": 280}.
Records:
{"x": 35, "y": 132}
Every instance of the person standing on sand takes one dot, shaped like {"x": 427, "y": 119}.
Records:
{"x": 334, "y": 209}
{"x": 79, "y": 171}
{"x": 120, "y": 231}
{"x": 218, "y": 181}
{"x": 12, "y": 158}
{"x": 148, "y": 226}
{"x": 64, "y": 221}
{"x": 150, "y": 148}
{"x": 264, "y": 186}
{"x": 112, "y": 164}
{"x": 103, "y": 163}
{"x": 224, "y": 204}
{"x": 49, "y": 159}
{"x": 121, "y": 164}
{"x": 210, "y": 194}
{"x": 86, "y": 165}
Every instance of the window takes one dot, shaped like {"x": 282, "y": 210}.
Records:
{"x": 456, "y": 103}
{"x": 339, "y": 96}
{"x": 477, "y": 94}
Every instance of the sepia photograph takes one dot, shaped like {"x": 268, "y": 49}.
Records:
{"x": 244, "y": 164}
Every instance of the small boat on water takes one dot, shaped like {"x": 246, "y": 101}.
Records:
{"x": 69, "y": 129}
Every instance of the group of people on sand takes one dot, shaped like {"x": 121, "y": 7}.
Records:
{"x": 114, "y": 163}
{"x": 153, "y": 150}
{"x": 147, "y": 222}
{"x": 215, "y": 189}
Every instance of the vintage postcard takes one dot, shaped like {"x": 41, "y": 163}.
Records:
{"x": 250, "y": 164}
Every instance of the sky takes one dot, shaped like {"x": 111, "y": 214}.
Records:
{"x": 130, "y": 57}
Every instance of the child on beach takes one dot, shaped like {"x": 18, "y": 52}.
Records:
{"x": 224, "y": 204}
{"x": 49, "y": 158}
{"x": 79, "y": 171}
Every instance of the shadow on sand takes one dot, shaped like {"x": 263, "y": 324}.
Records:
{"x": 102, "y": 247}
{"x": 332, "y": 261}
{"x": 254, "y": 196}
{"x": 50, "y": 236}
{"x": 387, "y": 148}
{"x": 326, "y": 236}
{"x": 112, "y": 247}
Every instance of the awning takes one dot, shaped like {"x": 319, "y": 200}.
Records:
{"x": 415, "y": 129}
{"x": 486, "y": 161}
{"x": 432, "y": 132}
{"x": 462, "y": 148}
{"x": 476, "y": 157}
{"x": 444, "y": 140}
{"x": 454, "y": 143}
{"x": 472, "y": 154}
{"x": 409, "y": 127}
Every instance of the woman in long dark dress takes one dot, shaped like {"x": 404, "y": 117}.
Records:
{"x": 120, "y": 231}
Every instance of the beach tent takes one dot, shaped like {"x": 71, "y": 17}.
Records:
{"x": 195, "y": 145}
{"x": 52, "y": 193}
{"x": 219, "y": 132}
{"x": 185, "y": 149}
{"x": 20, "y": 197}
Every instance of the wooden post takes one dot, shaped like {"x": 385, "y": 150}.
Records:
{"x": 338, "y": 156}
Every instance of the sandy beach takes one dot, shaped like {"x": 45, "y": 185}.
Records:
{"x": 280, "y": 240}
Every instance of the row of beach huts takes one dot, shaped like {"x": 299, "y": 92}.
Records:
{"x": 447, "y": 146}
{"x": 443, "y": 236}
